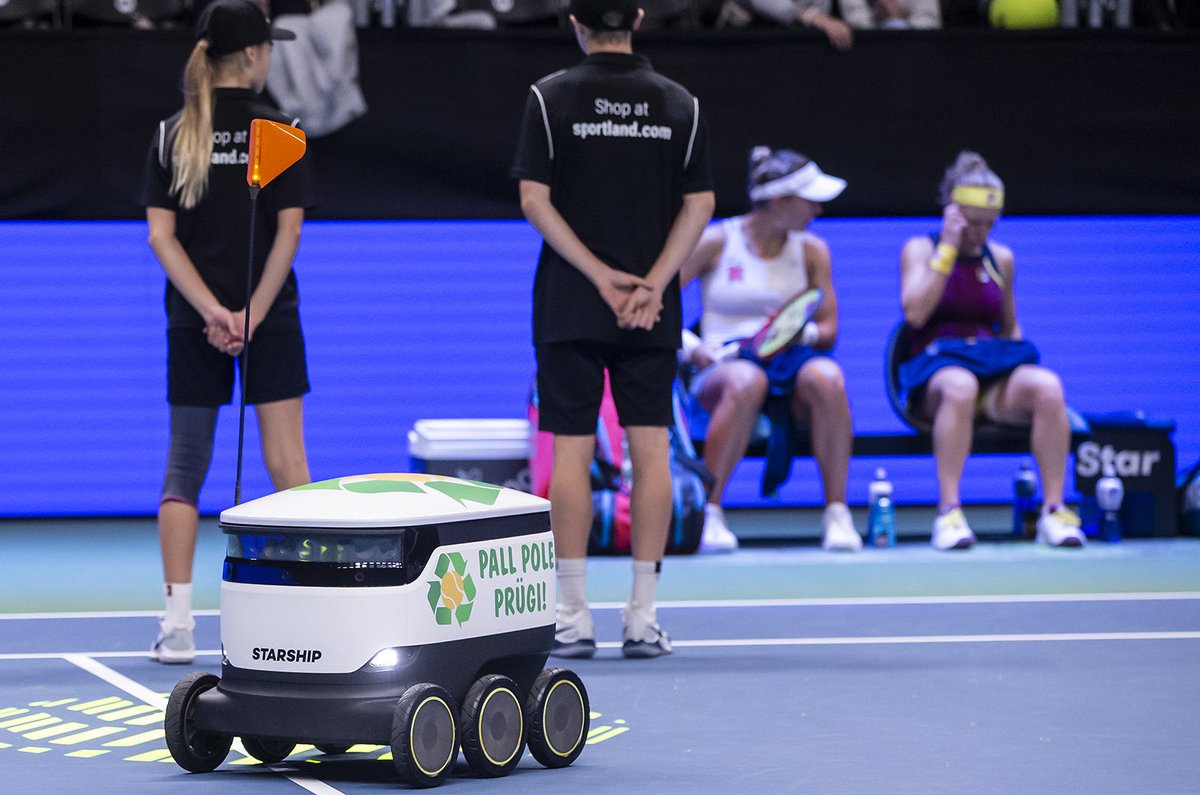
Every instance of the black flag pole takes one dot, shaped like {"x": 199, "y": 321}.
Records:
{"x": 274, "y": 147}
{"x": 244, "y": 356}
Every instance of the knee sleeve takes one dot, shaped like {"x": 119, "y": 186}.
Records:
{"x": 192, "y": 429}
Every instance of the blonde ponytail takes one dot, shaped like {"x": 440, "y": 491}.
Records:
{"x": 192, "y": 144}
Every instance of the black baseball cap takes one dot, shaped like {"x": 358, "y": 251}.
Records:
{"x": 232, "y": 25}
{"x": 605, "y": 14}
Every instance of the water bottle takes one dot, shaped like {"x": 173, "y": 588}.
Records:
{"x": 881, "y": 518}
{"x": 1110, "y": 492}
{"x": 1025, "y": 502}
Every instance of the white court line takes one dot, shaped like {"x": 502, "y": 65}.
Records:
{"x": 848, "y": 640}
{"x": 105, "y": 614}
{"x": 117, "y": 680}
{"x": 66, "y": 655}
{"x": 834, "y": 601}
{"x": 145, "y": 694}
{"x": 902, "y": 640}
{"x": 1132, "y": 596}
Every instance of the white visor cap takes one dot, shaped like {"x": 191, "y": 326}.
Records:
{"x": 808, "y": 182}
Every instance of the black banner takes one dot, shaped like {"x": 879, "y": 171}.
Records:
{"x": 1074, "y": 121}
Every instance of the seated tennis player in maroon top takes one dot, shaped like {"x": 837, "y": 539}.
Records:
{"x": 969, "y": 358}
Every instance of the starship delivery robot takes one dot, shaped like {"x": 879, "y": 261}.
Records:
{"x": 404, "y": 610}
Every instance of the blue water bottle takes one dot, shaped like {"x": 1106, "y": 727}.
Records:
{"x": 881, "y": 518}
{"x": 1110, "y": 493}
{"x": 1025, "y": 502}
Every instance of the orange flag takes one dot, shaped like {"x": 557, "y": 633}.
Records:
{"x": 274, "y": 147}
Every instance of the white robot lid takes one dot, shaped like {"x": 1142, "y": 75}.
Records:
{"x": 383, "y": 500}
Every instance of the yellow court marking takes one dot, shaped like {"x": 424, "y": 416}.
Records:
{"x": 62, "y": 728}
{"x": 605, "y": 733}
{"x": 119, "y": 703}
{"x": 137, "y": 709}
{"x": 23, "y": 726}
{"x": 598, "y": 734}
{"x": 157, "y": 755}
{"x": 92, "y": 734}
{"x": 34, "y": 723}
{"x": 136, "y": 739}
{"x": 26, "y": 718}
{"x": 156, "y": 717}
{"x": 109, "y": 702}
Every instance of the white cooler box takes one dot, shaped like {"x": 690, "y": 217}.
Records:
{"x": 492, "y": 451}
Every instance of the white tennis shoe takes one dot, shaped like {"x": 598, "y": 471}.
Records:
{"x": 174, "y": 646}
{"x": 643, "y": 638}
{"x": 574, "y": 635}
{"x": 716, "y": 537}
{"x": 951, "y": 531}
{"x": 839, "y": 533}
{"x": 1060, "y": 528}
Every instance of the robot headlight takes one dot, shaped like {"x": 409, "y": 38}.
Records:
{"x": 388, "y": 658}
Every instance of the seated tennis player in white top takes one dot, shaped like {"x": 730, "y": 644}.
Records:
{"x": 748, "y": 267}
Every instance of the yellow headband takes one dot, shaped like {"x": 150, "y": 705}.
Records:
{"x": 978, "y": 196}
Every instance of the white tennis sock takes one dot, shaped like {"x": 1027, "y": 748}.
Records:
{"x": 179, "y": 604}
{"x": 572, "y": 584}
{"x": 645, "y": 584}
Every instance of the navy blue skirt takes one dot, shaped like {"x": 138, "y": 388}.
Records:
{"x": 781, "y": 380}
{"x": 990, "y": 360}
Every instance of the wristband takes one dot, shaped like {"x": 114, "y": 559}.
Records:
{"x": 690, "y": 343}
{"x": 809, "y": 334}
{"x": 943, "y": 261}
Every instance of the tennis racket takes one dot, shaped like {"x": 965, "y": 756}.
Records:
{"x": 782, "y": 328}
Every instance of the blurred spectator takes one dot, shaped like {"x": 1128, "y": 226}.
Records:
{"x": 892, "y": 14}
{"x": 816, "y": 14}
{"x": 140, "y": 14}
{"x": 448, "y": 14}
{"x": 316, "y": 78}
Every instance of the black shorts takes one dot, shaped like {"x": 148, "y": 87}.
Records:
{"x": 570, "y": 382}
{"x": 200, "y": 375}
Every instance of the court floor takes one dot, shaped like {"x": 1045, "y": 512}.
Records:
{"x": 1010, "y": 668}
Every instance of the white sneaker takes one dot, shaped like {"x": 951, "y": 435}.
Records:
{"x": 951, "y": 531}
{"x": 643, "y": 638}
{"x": 174, "y": 646}
{"x": 717, "y": 537}
{"x": 574, "y": 635}
{"x": 1059, "y": 528}
{"x": 840, "y": 534}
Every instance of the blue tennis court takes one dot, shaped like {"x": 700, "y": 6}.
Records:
{"x": 1008, "y": 668}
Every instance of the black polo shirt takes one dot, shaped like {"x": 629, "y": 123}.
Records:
{"x": 619, "y": 145}
{"x": 216, "y": 232}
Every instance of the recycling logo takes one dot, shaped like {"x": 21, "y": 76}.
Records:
{"x": 452, "y": 594}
